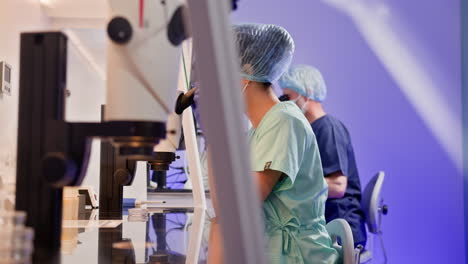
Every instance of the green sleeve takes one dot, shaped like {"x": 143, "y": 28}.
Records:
{"x": 280, "y": 145}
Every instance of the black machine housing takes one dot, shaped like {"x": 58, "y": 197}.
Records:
{"x": 53, "y": 153}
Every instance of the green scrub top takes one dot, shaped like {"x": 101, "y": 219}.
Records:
{"x": 294, "y": 210}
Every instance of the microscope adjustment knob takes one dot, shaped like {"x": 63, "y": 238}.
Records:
{"x": 122, "y": 176}
{"x": 119, "y": 30}
{"x": 58, "y": 170}
{"x": 176, "y": 29}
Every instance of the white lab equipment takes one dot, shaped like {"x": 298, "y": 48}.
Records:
{"x": 171, "y": 143}
{"x": 134, "y": 60}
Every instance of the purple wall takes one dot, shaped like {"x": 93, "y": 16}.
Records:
{"x": 423, "y": 188}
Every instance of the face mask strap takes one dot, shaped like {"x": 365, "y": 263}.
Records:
{"x": 245, "y": 87}
{"x": 304, "y": 106}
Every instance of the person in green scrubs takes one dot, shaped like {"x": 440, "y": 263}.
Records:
{"x": 285, "y": 157}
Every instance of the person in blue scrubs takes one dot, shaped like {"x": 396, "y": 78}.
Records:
{"x": 284, "y": 155}
{"x": 305, "y": 86}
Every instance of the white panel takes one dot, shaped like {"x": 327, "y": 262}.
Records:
{"x": 16, "y": 16}
{"x": 76, "y": 8}
{"x": 138, "y": 188}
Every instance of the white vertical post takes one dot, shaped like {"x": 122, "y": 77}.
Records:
{"x": 190, "y": 135}
{"x": 190, "y": 138}
{"x": 221, "y": 110}
{"x": 196, "y": 235}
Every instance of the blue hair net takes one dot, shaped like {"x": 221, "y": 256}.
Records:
{"x": 306, "y": 81}
{"x": 265, "y": 51}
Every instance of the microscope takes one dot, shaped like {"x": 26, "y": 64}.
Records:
{"x": 117, "y": 171}
{"x": 144, "y": 47}
{"x": 144, "y": 41}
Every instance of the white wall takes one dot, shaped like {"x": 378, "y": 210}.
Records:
{"x": 85, "y": 77}
{"x": 15, "y": 16}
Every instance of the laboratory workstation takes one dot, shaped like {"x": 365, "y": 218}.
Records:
{"x": 233, "y": 132}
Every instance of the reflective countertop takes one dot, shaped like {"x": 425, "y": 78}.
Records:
{"x": 165, "y": 236}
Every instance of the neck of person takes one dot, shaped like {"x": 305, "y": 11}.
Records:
{"x": 259, "y": 100}
{"x": 314, "y": 110}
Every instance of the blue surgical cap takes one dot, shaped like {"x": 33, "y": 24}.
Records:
{"x": 306, "y": 81}
{"x": 265, "y": 51}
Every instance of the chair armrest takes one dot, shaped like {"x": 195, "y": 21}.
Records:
{"x": 340, "y": 228}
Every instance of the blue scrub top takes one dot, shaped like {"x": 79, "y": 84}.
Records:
{"x": 337, "y": 154}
